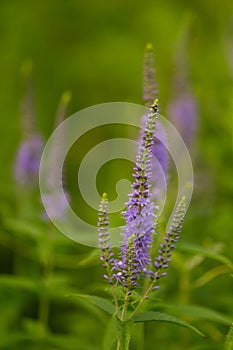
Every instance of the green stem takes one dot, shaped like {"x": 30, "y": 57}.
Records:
{"x": 115, "y": 298}
{"x": 118, "y": 345}
{"x": 47, "y": 266}
{"x": 124, "y": 309}
{"x": 147, "y": 292}
{"x": 43, "y": 313}
{"x": 122, "y": 343}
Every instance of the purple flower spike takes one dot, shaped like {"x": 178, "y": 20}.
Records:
{"x": 28, "y": 160}
{"x": 135, "y": 257}
{"x": 104, "y": 238}
{"x": 169, "y": 243}
{"x": 183, "y": 113}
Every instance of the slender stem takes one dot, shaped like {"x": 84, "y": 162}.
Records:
{"x": 114, "y": 297}
{"x": 125, "y": 305}
{"x": 123, "y": 317}
{"x": 43, "y": 313}
{"x": 142, "y": 300}
{"x": 118, "y": 345}
{"x": 184, "y": 296}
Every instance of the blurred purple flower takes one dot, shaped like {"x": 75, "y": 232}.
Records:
{"x": 28, "y": 160}
{"x": 183, "y": 113}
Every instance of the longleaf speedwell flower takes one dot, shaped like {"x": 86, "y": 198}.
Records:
{"x": 134, "y": 260}
{"x": 104, "y": 238}
{"x": 169, "y": 242}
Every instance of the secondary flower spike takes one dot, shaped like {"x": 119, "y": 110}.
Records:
{"x": 104, "y": 238}
{"x": 169, "y": 243}
{"x": 138, "y": 233}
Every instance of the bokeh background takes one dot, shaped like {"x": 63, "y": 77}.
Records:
{"x": 95, "y": 50}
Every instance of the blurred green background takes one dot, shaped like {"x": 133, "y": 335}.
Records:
{"x": 95, "y": 50}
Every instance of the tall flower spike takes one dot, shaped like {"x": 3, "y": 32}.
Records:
{"x": 139, "y": 229}
{"x": 169, "y": 243}
{"x": 27, "y": 161}
{"x": 104, "y": 238}
{"x": 150, "y": 93}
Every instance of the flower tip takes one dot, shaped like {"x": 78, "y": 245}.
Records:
{"x": 155, "y": 105}
{"x": 149, "y": 47}
{"x": 66, "y": 97}
{"x": 183, "y": 199}
{"x": 104, "y": 196}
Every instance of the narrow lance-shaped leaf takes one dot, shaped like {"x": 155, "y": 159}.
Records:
{"x": 162, "y": 317}
{"x": 206, "y": 253}
{"x": 198, "y": 312}
{"x": 102, "y": 303}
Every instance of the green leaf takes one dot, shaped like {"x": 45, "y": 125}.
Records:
{"x": 207, "y": 253}
{"x": 162, "y": 317}
{"x": 199, "y": 312}
{"x": 57, "y": 287}
{"x": 33, "y": 327}
{"x": 18, "y": 282}
{"x": 211, "y": 274}
{"x": 102, "y": 303}
{"x": 111, "y": 335}
{"x": 90, "y": 258}
{"x": 24, "y": 228}
{"x": 228, "y": 345}
{"x": 124, "y": 331}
